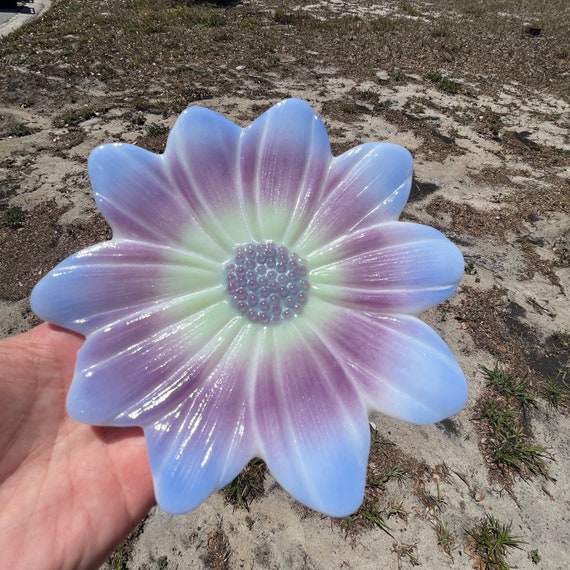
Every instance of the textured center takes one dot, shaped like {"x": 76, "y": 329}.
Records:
{"x": 267, "y": 283}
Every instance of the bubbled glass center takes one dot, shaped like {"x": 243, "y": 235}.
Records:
{"x": 266, "y": 282}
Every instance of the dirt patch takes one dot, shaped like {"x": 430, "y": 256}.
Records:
{"x": 499, "y": 327}
{"x": 37, "y": 242}
{"x": 218, "y": 550}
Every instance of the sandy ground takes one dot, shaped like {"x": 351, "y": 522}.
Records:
{"x": 503, "y": 197}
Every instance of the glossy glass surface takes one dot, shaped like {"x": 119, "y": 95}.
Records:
{"x": 168, "y": 349}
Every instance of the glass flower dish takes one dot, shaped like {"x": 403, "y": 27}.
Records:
{"x": 258, "y": 298}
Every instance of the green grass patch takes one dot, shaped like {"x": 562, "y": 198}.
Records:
{"x": 156, "y": 130}
{"x": 19, "y": 130}
{"x": 384, "y": 25}
{"x": 373, "y": 517}
{"x": 213, "y": 19}
{"x": 368, "y": 516}
{"x": 12, "y": 217}
{"x": 504, "y": 417}
{"x": 379, "y": 441}
{"x": 508, "y": 444}
{"x": 284, "y": 17}
{"x": 555, "y": 391}
{"x": 443, "y": 82}
{"x": 440, "y": 31}
{"x": 562, "y": 339}
{"x": 397, "y": 473}
{"x": 247, "y": 485}
{"x": 491, "y": 541}
{"x": 73, "y": 117}
{"x": 510, "y": 386}
{"x": 408, "y": 9}
{"x": 534, "y": 556}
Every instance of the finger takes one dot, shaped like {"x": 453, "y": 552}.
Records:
{"x": 55, "y": 349}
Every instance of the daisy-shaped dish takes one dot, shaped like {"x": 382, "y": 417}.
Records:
{"x": 257, "y": 299}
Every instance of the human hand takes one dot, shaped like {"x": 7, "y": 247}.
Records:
{"x": 69, "y": 492}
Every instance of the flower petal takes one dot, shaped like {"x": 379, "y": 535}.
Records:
{"x": 284, "y": 157}
{"x": 115, "y": 278}
{"x": 203, "y": 443}
{"x": 138, "y": 369}
{"x": 394, "y": 267}
{"x": 135, "y": 195}
{"x": 311, "y": 423}
{"x": 202, "y": 160}
{"x": 367, "y": 185}
{"x": 403, "y": 368}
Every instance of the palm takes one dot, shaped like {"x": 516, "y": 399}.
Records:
{"x": 68, "y": 492}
